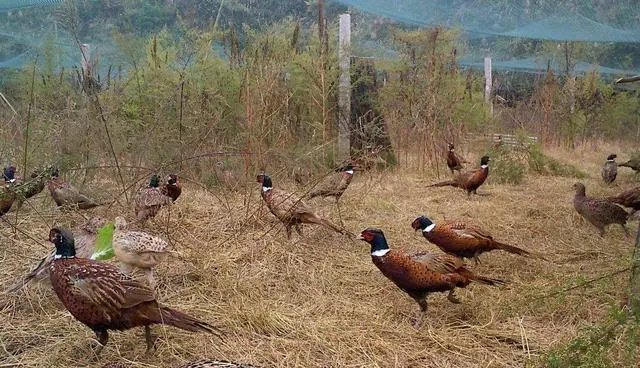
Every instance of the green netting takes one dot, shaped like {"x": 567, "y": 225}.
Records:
{"x": 508, "y": 19}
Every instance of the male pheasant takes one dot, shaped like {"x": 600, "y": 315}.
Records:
{"x": 469, "y": 180}
{"x": 290, "y": 209}
{"x": 150, "y": 200}
{"x": 629, "y": 198}
{"x": 610, "y": 169}
{"x": 334, "y": 185}
{"x": 460, "y": 239}
{"x": 454, "y": 162}
{"x": 422, "y": 273}
{"x": 103, "y": 298}
{"x": 85, "y": 245}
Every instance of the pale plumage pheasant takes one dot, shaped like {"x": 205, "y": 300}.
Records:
{"x": 137, "y": 250}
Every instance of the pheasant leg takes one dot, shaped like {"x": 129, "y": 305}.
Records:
{"x": 423, "y": 310}
{"x": 103, "y": 338}
{"x": 151, "y": 340}
{"x": 625, "y": 230}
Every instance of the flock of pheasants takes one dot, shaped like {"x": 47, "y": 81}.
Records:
{"x": 105, "y": 297}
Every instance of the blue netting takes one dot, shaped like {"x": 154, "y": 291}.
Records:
{"x": 575, "y": 27}
{"x": 534, "y": 65}
{"x": 498, "y": 19}
{"x": 17, "y": 4}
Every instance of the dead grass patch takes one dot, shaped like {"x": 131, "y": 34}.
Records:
{"x": 317, "y": 301}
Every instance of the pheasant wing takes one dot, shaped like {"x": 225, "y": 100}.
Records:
{"x": 468, "y": 230}
{"x": 101, "y": 284}
{"x": 441, "y": 263}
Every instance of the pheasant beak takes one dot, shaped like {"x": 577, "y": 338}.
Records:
{"x": 360, "y": 237}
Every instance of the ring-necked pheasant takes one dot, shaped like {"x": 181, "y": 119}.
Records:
{"x": 421, "y": 273}
{"x": 150, "y": 200}
{"x": 629, "y": 198}
{"x": 599, "y": 212}
{"x": 290, "y": 209}
{"x": 610, "y": 169}
{"x": 85, "y": 245}
{"x": 633, "y": 163}
{"x": 172, "y": 188}
{"x": 138, "y": 250}
{"x": 454, "y": 162}
{"x": 469, "y": 180}
{"x": 334, "y": 185}
{"x": 9, "y": 175}
{"x": 103, "y": 298}
{"x": 67, "y": 196}
{"x": 460, "y": 239}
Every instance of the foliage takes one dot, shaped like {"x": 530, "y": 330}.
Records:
{"x": 510, "y": 163}
{"x": 506, "y": 167}
{"x": 613, "y": 342}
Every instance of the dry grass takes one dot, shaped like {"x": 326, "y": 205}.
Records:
{"x": 319, "y": 302}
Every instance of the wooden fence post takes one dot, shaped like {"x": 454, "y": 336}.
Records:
{"x": 344, "y": 88}
{"x": 488, "y": 85}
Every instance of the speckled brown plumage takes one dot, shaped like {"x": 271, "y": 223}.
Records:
{"x": 334, "y": 185}
{"x": 468, "y": 180}
{"x": 103, "y": 298}
{"x": 137, "y": 250}
{"x": 150, "y": 200}
{"x": 454, "y": 162}
{"x": 629, "y": 198}
{"x": 599, "y": 212}
{"x": 421, "y": 273}
{"x": 609, "y": 170}
{"x": 85, "y": 244}
{"x": 67, "y": 196}
{"x": 290, "y": 209}
{"x": 461, "y": 239}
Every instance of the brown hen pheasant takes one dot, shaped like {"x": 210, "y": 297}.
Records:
{"x": 421, "y": 273}
{"x": 290, "y": 209}
{"x": 67, "y": 196}
{"x": 103, "y": 298}
{"x": 460, "y": 239}
{"x": 599, "y": 212}
{"x": 469, "y": 180}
